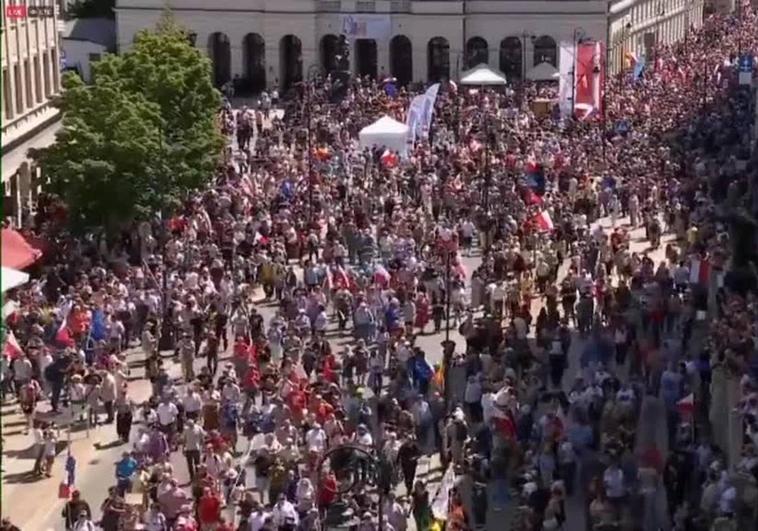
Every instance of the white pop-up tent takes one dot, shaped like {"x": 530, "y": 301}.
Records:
{"x": 482, "y": 75}
{"x": 386, "y": 132}
{"x": 543, "y": 72}
{"x": 12, "y": 278}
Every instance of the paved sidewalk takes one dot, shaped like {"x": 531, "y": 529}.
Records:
{"x": 95, "y": 456}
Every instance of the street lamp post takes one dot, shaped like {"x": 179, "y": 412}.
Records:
{"x": 307, "y": 102}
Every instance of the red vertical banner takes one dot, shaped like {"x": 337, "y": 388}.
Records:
{"x": 589, "y": 79}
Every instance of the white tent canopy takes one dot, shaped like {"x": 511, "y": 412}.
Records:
{"x": 482, "y": 75}
{"x": 543, "y": 72}
{"x": 12, "y": 278}
{"x": 386, "y": 132}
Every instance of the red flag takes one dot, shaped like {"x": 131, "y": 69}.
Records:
{"x": 12, "y": 348}
{"x": 686, "y": 406}
{"x": 700, "y": 272}
{"x": 63, "y": 335}
{"x": 505, "y": 425}
{"x": 544, "y": 222}
{"x": 532, "y": 198}
{"x": 389, "y": 159}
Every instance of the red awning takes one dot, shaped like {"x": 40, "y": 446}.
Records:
{"x": 17, "y": 252}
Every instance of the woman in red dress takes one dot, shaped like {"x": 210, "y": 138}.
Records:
{"x": 423, "y": 310}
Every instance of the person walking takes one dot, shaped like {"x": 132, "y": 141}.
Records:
{"x": 73, "y": 510}
{"x": 193, "y": 439}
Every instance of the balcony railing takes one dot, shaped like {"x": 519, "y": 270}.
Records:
{"x": 400, "y": 6}
{"x": 330, "y": 6}
{"x": 365, "y": 6}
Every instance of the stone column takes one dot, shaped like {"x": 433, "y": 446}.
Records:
{"x": 383, "y": 58}
{"x": 236, "y": 56}
{"x": 528, "y": 55}
{"x": 420, "y": 62}
{"x": 273, "y": 68}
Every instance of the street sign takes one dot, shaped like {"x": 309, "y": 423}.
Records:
{"x": 745, "y": 69}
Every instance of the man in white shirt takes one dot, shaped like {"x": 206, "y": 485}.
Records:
{"x": 258, "y": 517}
{"x": 192, "y": 402}
{"x": 315, "y": 439}
{"x": 284, "y": 514}
{"x": 167, "y": 414}
{"x": 194, "y": 439}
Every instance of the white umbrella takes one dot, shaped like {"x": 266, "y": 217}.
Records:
{"x": 12, "y": 278}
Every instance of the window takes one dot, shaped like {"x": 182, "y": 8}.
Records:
{"x": 56, "y": 69}
{"x": 28, "y": 83}
{"x": 7, "y": 101}
{"x": 17, "y": 84}
{"x": 37, "y": 80}
{"x": 46, "y": 74}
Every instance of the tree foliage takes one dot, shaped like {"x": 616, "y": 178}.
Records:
{"x": 141, "y": 137}
{"x": 91, "y": 8}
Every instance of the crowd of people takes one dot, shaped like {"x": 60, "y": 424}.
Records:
{"x": 321, "y": 414}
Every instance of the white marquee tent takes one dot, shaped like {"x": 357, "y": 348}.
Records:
{"x": 543, "y": 72}
{"x": 482, "y": 75}
{"x": 386, "y": 132}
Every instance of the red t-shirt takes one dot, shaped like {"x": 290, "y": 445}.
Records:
{"x": 209, "y": 509}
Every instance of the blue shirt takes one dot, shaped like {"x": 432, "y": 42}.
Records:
{"x": 126, "y": 468}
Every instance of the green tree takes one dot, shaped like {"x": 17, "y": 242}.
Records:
{"x": 141, "y": 137}
{"x": 91, "y": 8}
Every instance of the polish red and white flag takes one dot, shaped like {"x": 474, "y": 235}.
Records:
{"x": 700, "y": 271}
{"x": 686, "y": 406}
{"x": 544, "y": 222}
{"x": 12, "y": 348}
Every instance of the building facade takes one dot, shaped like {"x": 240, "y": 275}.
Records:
{"x": 30, "y": 79}
{"x": 273, "y": 44}
{"x": 636, "y": 26}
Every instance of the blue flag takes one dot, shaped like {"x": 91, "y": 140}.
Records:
{"x": 639, "y": 68}
{"x": 98, "y": 330}
{"x": 422, "y": 370}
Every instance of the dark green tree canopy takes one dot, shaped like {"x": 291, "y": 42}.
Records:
{"x": 141, "y": 137}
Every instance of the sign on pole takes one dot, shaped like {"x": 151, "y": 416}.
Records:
{"x": 745, "y": 69}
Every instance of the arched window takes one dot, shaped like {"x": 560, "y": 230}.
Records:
{"x": 401, "y": 59}
{"x": 329, "y": 52}
{"x": 220, "y": 52}
{"x": 438, "y": 55}
{"x": 477, "y": 52}
{"x": 290, "y": 61}
{"x": 366, "y": 58}
{"x": 512, "y": 58}
{"x": 254, "y": 48}
{"x": 545, "y": 51}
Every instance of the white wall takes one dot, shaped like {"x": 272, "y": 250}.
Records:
{"x": 420, "y": 21}
{"x": 78, "y": 56}
{"x": 630, "y": 20}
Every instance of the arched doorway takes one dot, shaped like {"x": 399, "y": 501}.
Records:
{"x": 290, "y": 61}
{"x": 545, "y": 51}
{"x": 477, "y": 52}
{"x": 329, "y": 51}
{"x": 438, "y": 55}
{"x": 220, "y": 52}
{"x": 511, "y": 58}
{"x": 366, "y": 61}
{"x": 401, "y": 59}
{"x": 254, "y": 48}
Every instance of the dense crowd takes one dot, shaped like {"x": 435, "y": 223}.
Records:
{"x": 324, "y": 411}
